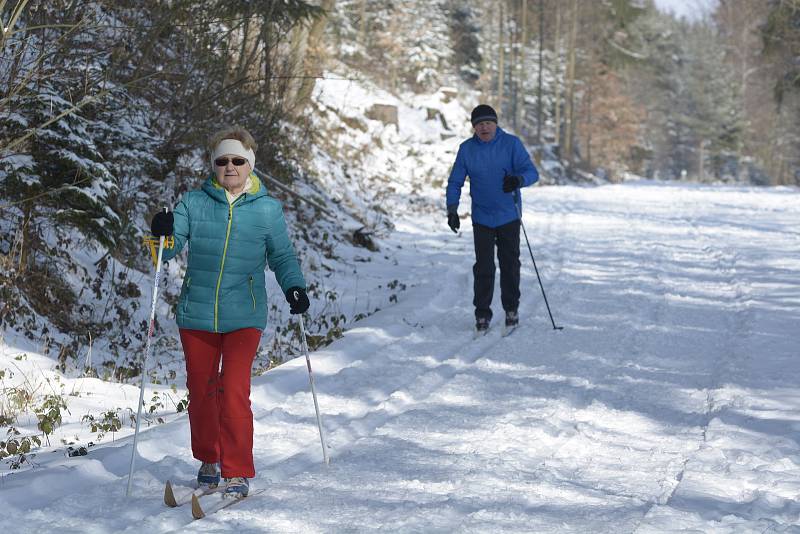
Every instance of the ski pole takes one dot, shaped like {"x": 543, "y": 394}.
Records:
{"x": 313, "y": 391}
{"x": 147, "y": 350}
{"x": 518, "y": 202}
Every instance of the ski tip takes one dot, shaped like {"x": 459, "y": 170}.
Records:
{"x": 508, "y": 330}
{"x": 477, "y": 334}
{"x": 197, "y": 511}
{"x": 169, "y": 496}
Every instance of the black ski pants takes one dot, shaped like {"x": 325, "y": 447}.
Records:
{"x": 507, "y": 239}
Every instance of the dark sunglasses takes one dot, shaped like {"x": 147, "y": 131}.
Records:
{"x": 223, "y": 162}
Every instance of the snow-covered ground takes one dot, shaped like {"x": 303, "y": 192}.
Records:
{"x": 669, "y": 402}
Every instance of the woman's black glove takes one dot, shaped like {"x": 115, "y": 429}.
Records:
{"x": 297, "y": 299}
{"x": 163, "y": 223}
{"x": 511, "y": 182}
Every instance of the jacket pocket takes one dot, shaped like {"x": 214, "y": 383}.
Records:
{"x": 187, "y": 282}
{"x": 252, "y": 293}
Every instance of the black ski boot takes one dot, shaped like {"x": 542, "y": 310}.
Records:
{"x": 481, "y": 326}
{"x": 512, "y": 319}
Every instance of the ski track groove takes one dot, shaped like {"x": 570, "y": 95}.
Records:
{"x": 724, "y": 263}
{"x": 419, "y": 388}
{"x": 634, "y": 341}
{"x": 382, "y": 411}
{"x": 420, "y": 361}
{"x": 410, "y": 391}
{"x": 630, "y": 341}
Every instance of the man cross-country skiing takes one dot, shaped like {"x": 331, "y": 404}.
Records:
{"x": 497, "y": 165}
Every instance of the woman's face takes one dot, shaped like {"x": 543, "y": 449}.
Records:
{"x": 231, "y": 176}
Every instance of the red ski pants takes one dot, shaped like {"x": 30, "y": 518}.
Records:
{"x": 220, "y": 418}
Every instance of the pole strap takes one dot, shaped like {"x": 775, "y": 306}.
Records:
{"x": 152, "y": 242}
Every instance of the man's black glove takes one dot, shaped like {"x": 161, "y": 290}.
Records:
{"x": 163, "y": 223}
{"x": 297, "y": 299}
{"x": 511, "y": 182}
{"x": 452, "y": 219}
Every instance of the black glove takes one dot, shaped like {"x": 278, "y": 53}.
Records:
{"x": 452, "y": 219}
{"x": 297, "y": 299}
{"x": 163, "y": 223}
{"x": 511, "y": 182}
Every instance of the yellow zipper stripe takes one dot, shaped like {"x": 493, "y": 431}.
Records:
{"x": 222, "y": 267}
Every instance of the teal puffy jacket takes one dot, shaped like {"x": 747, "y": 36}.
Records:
{"x": 229, "y": 248}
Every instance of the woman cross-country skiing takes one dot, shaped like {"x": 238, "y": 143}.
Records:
{"x": 234, "y": 230}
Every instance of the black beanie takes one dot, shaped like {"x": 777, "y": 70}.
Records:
{"x": 483, "y": 113}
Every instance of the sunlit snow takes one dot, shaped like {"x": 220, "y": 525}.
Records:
{"x": 668, "y": 403}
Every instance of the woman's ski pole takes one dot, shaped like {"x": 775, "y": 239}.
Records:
{"x": 313, "y": 391}
{"x": 147, "y": 350}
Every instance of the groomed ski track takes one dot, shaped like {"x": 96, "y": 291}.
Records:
{"x": 669, "y": 403}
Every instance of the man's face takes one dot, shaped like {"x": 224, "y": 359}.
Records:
{"x": 485, "y": 130}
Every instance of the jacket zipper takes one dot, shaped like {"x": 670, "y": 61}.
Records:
{"x": 222, "y": 268}
{"x": 252, "y": 294}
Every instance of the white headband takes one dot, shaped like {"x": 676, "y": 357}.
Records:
{"x": 234, "y": 148}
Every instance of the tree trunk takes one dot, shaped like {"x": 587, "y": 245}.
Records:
{"x": 27, "y": 237}
{"x": 513, "y": 42}
{"x": 313, "y": 56}
{"x": 485, "y": 80}
{"x": 702, "y": 160}
{"x": 250, "y": 59}
{"x": 243, "y": 52}
{"x": 393, "y": 25}
{"x": 362, "y": 23}
{"x": 500, "y": 61}
{"x": 519, "y": 116}
{"x": 570, "y": 103}
{"x": 589, "y": 91}
{"x": 557, "y": 78}
{"x": 539, "y": 102}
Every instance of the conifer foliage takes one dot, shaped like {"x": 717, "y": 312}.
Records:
{"x": 105, "y": 108}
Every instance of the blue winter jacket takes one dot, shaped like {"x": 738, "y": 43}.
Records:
{"x": 487, "y": 164}
{"x": 229, "y": 247}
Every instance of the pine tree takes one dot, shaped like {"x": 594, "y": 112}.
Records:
{"x": 464, "y": 32}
